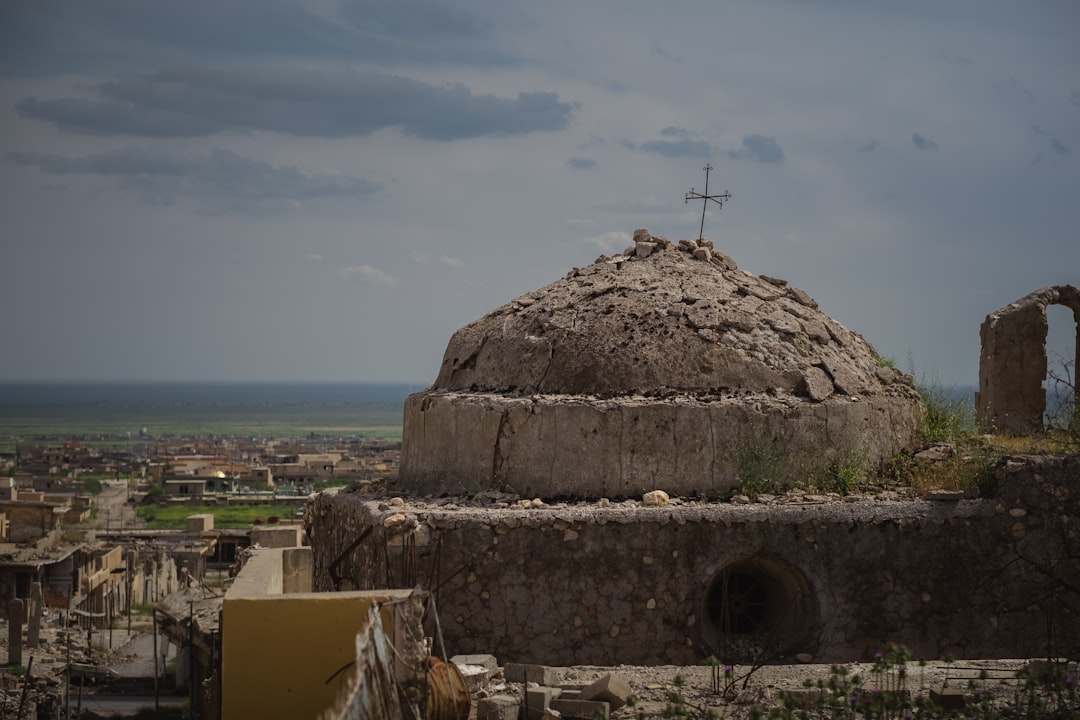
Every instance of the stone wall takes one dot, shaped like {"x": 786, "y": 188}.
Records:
{"x": 564, "y": 446}
{"x": 609, "y": 583}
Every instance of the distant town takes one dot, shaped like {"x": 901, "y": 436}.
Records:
{"x": 92, "y": 533}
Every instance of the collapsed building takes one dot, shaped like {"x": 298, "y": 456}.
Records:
{"x": 537, "y": 472}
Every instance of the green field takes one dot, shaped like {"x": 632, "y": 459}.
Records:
{"x": 118, "y": 414}
{"x": 113, "y": 432}
{"x": 174, "y": 517}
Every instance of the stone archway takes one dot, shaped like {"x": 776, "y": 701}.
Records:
{"x": 1012, "y": 364}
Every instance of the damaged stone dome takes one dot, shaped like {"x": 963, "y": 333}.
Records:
{"x": 662, "y": 368}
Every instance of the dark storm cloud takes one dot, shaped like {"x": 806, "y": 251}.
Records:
{"x": 760, "y": 148}
{"x": 581, "y": 163}
{"x": 672, "y": 131}
{"x": 923, "y": 143}
{"x": 678, "y": 148}
{"x": 91, "y": 35}
{"x": 218, "y": 179}
{"x": 868, "y": 147}
{"x": 420, "y": 20}
{"x": 190, "y": 102}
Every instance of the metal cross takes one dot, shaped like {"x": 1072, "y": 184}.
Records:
{"x": 705, "y": 198}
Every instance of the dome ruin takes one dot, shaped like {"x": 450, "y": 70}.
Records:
{"x": 666, "y": 367}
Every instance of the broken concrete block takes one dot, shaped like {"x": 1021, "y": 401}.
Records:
{"x": 587, "y": 709}
{"x": 497, "y": 707}
{"x": 948, "y": 698}
{"x": 539, "y": 674}
{"x": 537, "y": 701}
{"x": 486, "y": 661}
{"x": 610, "y": 688}
{"x": 476, "y": 669}
{"x": 476, "y": 676}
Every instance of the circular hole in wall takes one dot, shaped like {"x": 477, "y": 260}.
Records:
{"x": 762, "y": 600}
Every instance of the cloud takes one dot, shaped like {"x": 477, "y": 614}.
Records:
{"x": 315, "y": 257}
{"x": 672, "y": 131}
{"x": 218, "y": 179}
{"x": 678, "y": 148}
{"x": 1059, "y": 147}
{"x": 369, "y": 274}
{"x": 610, "y": 242}
{"x": 581, "y": 163}
{"x": 868, "y": 147}
{"x": 54, "y": 35}
{"x": 657, "y": 50}
{"x": 193, "y": 102}
{"x": 923, "y": 143}
{"x": 420, "y": 258}
{"x": 451, "y": 261}
{"x": 761, "y": 148}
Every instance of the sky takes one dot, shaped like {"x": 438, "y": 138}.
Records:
{"x": 264, "y": 190}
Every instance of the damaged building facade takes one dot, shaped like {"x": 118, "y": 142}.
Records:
{"x": 669, "y": 371}
{"x": 587, "y": 583}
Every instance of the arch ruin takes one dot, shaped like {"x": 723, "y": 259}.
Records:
{"x": 1012, "y": 364}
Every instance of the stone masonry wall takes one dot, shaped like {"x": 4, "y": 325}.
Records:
{"x": 609, "y": 583}
{"x": 561, "y": 446}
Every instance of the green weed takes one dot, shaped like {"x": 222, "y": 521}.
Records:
{"x": 759, "y": 469}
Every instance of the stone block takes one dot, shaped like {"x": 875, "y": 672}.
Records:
{"x": 655, "y": 498}
{"x": 486, "y": 661}
{"x": 476, "y": 669}
{"x": 497, "y": 707}
{"x": 586, "y": 709}
{"x": 610, "y": 688}
{"x": 476, "y": 676}
{"x": 948, "y": 698}
{"x": 539, "y": 674}
{"x": 537, "y": 701}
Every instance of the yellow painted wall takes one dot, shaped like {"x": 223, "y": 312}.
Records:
{"x": 279, "y": 650}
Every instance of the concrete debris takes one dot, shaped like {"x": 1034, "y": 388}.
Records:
{"x": 610, "y": 688}
{"x": 523, "y": 673}
{"x": 584, "y": 709}
{"x": 498, "y": 707}
{"x": 538, "y": 692}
